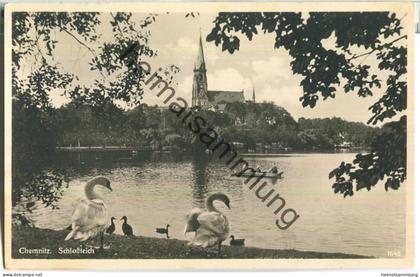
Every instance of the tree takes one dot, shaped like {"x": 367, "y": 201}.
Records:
{"x": 325, "y": 71}
{"x": 117, "y": 78}
{"x": 33, "y": 142}
{"x": 34, "y": 42}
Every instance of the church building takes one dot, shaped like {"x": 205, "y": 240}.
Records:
{"x": 210, "y": 99}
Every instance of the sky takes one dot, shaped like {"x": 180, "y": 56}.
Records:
{"x": 257, "y": 64}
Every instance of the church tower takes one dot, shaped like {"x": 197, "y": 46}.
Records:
{"x": 199, "y": 90}
{"x": 253, "y": 94}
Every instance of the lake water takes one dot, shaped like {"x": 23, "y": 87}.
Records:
{"x": 162, "y": 188}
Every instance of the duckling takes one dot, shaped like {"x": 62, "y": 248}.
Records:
{"x": 236, "y": 242}
{"x": 127, "y": 229}
{"x": 164, "y": 230}
{"x": 111, "y": 228}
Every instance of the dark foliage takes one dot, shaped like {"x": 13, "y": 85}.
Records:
{"x": 34, "y": 135}
{"x": 387, "y": 160}
{"x": 36, "y": 125}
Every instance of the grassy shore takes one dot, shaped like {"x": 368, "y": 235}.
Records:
{"x": 138, "y": 247}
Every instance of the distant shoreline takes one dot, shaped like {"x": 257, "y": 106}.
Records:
{"x": 50, "y": 245}
{"x": 78, "y": 149}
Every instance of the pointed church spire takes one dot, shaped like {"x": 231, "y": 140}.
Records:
{"x": 199, "y": 93}
{"x": 200, "y": 63}
{"x": 253, "y": 94}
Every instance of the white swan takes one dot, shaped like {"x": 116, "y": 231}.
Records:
{"x": 211, "y": 227}
{"x": 90, "y": 216}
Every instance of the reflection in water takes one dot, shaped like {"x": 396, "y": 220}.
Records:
{"x": 288, "y": 237}
{"x": 157, "y": 189}
{"x": 199, "y": 185}
{"x": 273, "y": 181}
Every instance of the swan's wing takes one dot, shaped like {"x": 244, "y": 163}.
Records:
{"x": 89, "y": 217}
{"x": 214, "y": 222}
{"x": 192, "y": 223}
{"x": 205, "y": 238}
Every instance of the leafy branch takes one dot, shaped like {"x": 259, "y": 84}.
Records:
{"x": 324, "y": 70}
{"x": 380, "y": 47}
{"x": 78, "y": 40}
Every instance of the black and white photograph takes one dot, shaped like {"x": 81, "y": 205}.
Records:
{"x": 256, "y": 135}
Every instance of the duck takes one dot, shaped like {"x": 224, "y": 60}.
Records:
{"x": 211, "y": 227}
{"x": 236, "y": 242}
{"x": 90, "y": 215}
{"x": 164, "y": 230}
{"x": 126, "y": 228}
{"x": 111, "y": 228}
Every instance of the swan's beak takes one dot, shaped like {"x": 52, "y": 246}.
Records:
{"x": 228, "y": 205}
{"x": 110, "y": 188}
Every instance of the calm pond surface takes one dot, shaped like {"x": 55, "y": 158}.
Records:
{"x": 162, "y": 188}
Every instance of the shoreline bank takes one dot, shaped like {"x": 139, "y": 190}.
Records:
{"x": 137, "y": 150}
{"x": 48, "y": 244}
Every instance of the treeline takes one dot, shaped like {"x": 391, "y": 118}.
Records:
{"x": 326, "y": 133}
{"x": 250, "y": 126}
{"x": 247, "y": 125}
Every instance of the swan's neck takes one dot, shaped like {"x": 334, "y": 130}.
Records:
{"x": 209, "y": 204}
{"x": 90, "y": 193}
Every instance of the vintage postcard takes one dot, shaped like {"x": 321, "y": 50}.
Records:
{"x": 209, "y": 135}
